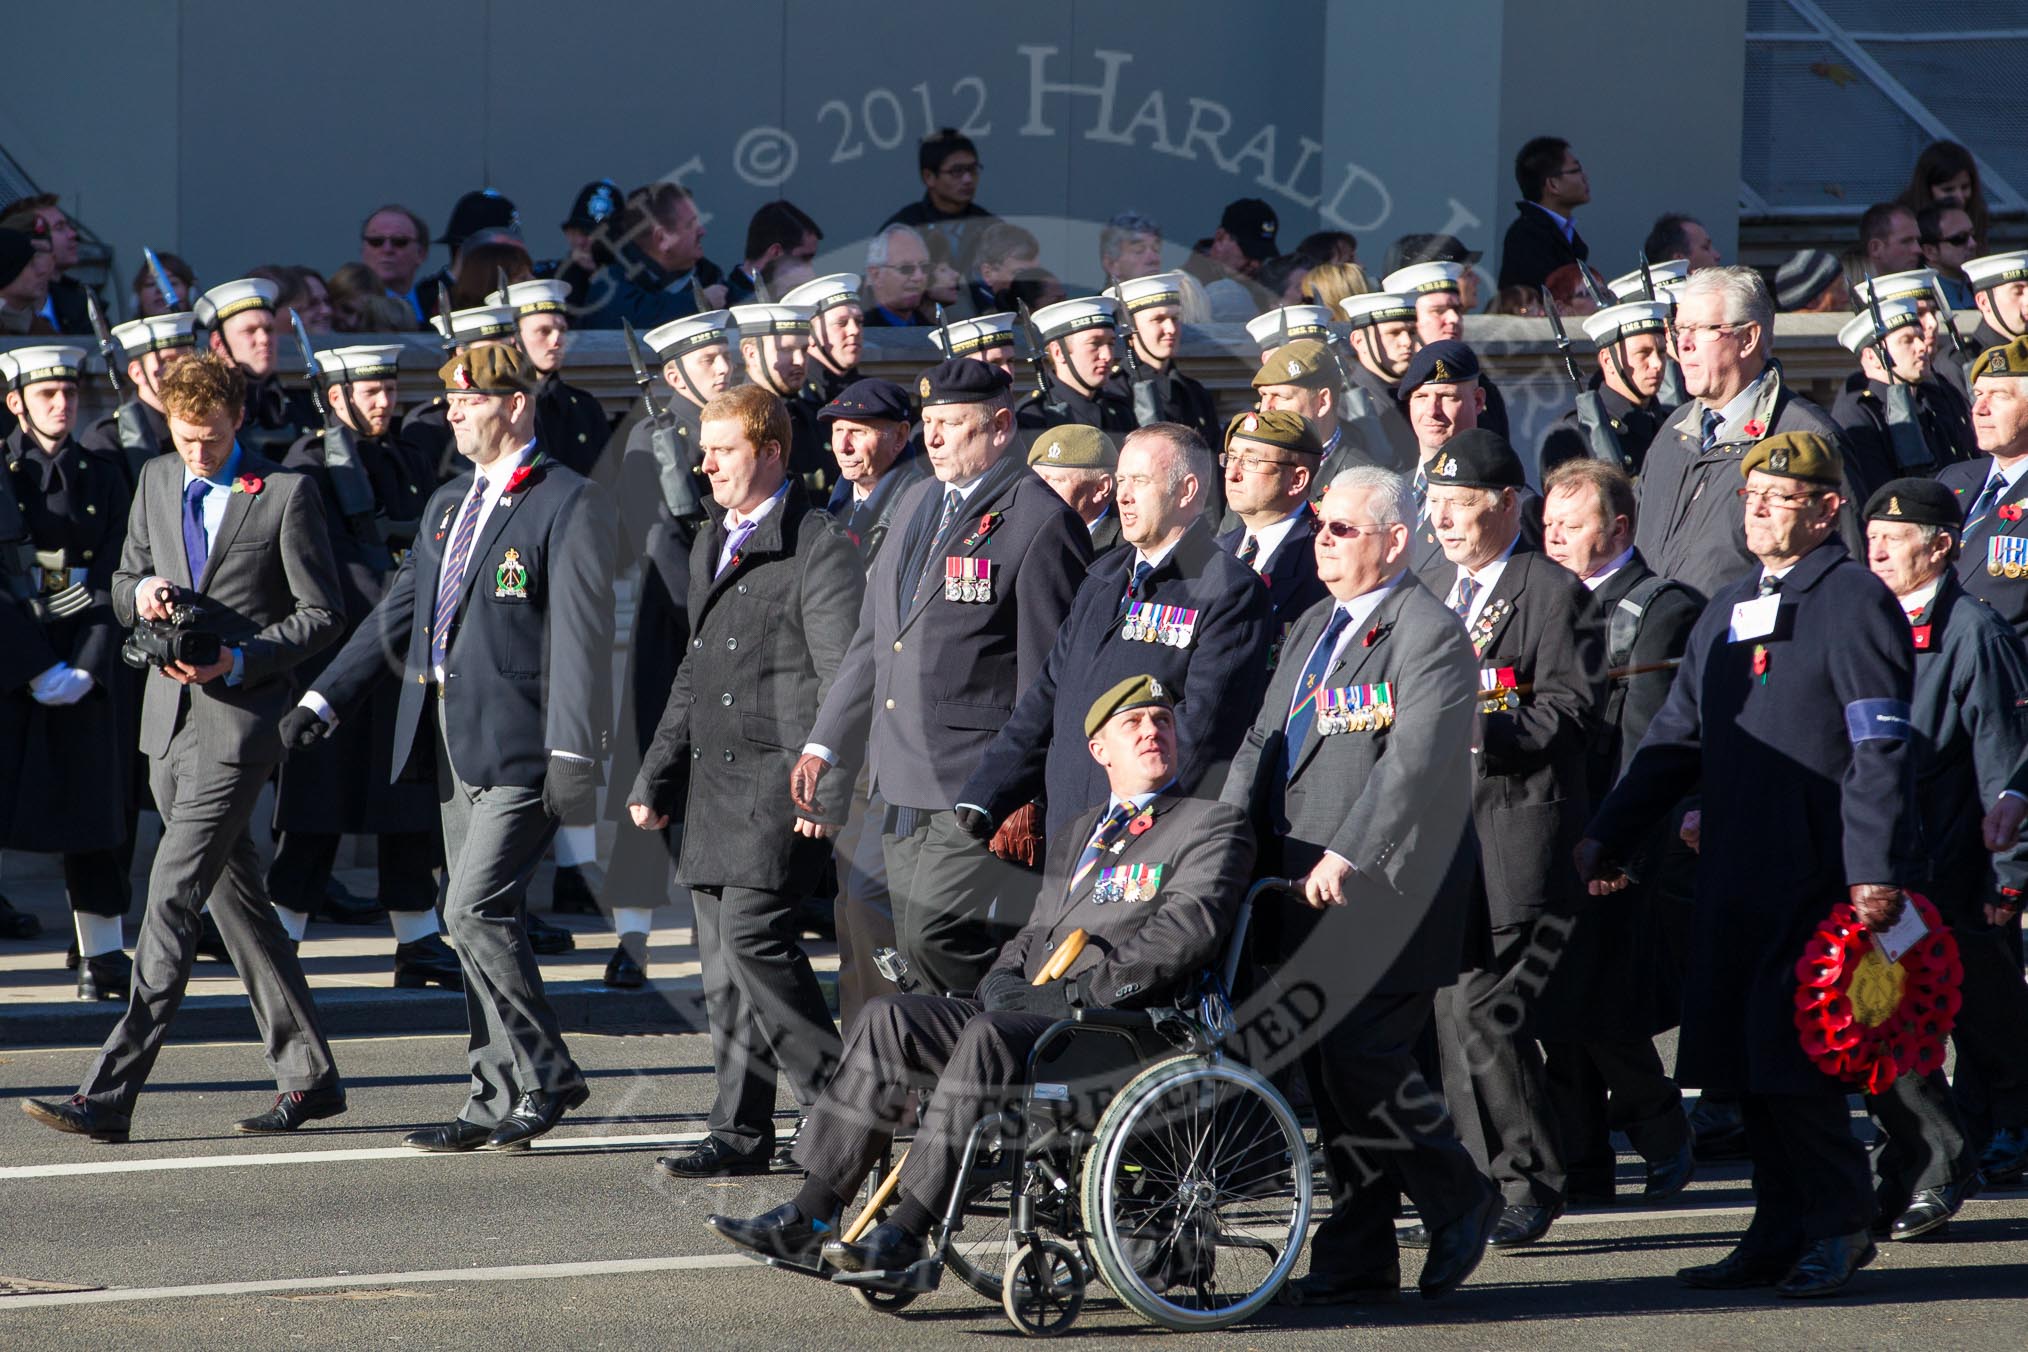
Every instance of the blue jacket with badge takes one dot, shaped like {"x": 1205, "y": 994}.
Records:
{"x": 1995, "y": 544}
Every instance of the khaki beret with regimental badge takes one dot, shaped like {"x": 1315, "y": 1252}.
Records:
{"x": 2009, "y": 359}
{"x": 1136, "y": 692}
{"x": 1282, "y": 428}
{"x": 1304, "y": 362}
{"x": 1796, "y": 455}
{"x": 493, "y": 370}
{"x": 1074, "y": 446}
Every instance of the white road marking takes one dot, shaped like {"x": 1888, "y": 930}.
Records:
{"x": 172, "y": 1163}
{"x": 520, "y": 1272}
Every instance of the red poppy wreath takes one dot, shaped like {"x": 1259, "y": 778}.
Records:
{"x": 1869, "y": 1021}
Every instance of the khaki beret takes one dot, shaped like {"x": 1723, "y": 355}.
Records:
{"x": 492, "y": 369}
{"x": 1136, "y": 692}
{"x": 1796, "y": 455}
{"x": 1074, "y": 446}
{"x": 1281, "y": 427}
{"x": 2009, "y": 359}
{"x": 1304, "y": 362}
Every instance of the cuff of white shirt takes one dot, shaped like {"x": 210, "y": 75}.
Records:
{"x": 569, "y": 756}
{"x": 1343, "y": 860}
{"x": 2014, "y": 793}
{"x": 238, "y": 672}
{"x": 319, "y": 706}
{"x": 821, "y": 752}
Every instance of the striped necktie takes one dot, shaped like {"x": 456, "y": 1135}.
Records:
{"x": 1983, "y": 506}
{"x": 1101, "y": 840}
{"x": 1304, "y": 714}
{"x": 452, "y": 585}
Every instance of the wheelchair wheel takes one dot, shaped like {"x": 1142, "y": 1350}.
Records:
{"x": 1043, "y": 1288}
{"x": 884, "y": 1302}
{"x": 1196, "y": 1193}
{"x": 980, "y": 1248}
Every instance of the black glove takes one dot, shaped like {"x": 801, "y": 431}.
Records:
{"x": 975, "y": 823}
{"x": 1005, "y": 991}
{"x": 300, "y": 728}
{"x": 570, "y": 790}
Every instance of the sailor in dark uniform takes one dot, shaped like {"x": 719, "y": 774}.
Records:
{"x": 988, "y": 338}
{"x": 1382, "y": 341}
{"x": 238, "y": 322}
{"x": 1079, "y": 340}
{"x": 2000, "y": 290}
{"x": 1440, "y": 315}
{"x": 1922, "y": 288}
{"x": 1632, "y": 344}
{"x": 1162, "y": 393}
{"x": 774, "y": 344}
{"x": 1899, "y": 418}
{"x": 837, "y": 333}
{"x": 572, "y": 424}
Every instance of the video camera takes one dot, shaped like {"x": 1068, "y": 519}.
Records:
{"x": 157, "y": 643}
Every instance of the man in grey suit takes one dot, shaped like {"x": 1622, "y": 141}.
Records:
{"x": 221, "y": 529}
{"x": 1357, "y": 773}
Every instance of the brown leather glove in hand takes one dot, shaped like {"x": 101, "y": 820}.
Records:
{"x": 803, "y": 784}
{"x": 1878, "y": 904}
{"x": 1019, "y": 839}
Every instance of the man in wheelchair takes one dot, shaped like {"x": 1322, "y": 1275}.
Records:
{"x": 1153, "y": 880}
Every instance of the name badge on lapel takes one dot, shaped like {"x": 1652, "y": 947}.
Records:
{"x": 1127, "y": 883}
{"x": 1497, "y": 692}
{"x": 1146, "y": 622}
{"x": 2007, "y": 556}
{"x": 1355, "y": 708}
{"x": 967, "y": 578}
{"x": 1754, "y": 619}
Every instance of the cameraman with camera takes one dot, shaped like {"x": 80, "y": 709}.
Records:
{"x": 228, "y": 581}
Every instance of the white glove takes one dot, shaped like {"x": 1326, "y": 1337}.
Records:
{"x": 62, "y": 684}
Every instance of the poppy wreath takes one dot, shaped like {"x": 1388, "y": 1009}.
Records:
{"x": 1868, "y": 1021}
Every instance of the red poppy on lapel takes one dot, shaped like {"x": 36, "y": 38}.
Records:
{"x": 988, "y": 523}
{"x": 515, "y": 480}
{"x": 1755, "y": 428}
{"x": 1141, "y": 822}
{"x": 252, "y": 484}
{"x": 2008, "y": 511}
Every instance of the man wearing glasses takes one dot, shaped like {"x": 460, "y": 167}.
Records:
{"x": 1543, "y": 237}
{"x": 1271, "y": 461}
{"x": 897, "y": 274}
{"x": 1945, "y": 230}
{"x": 950, "y": 169}
{"x": 1723, "y": 336}
{"x": 393, "y": 244}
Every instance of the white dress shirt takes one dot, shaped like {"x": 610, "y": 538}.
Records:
{"x": 1271, "y": 536}
{"x": 1598, "y": 579}
{"x": 1487, "y": 578}
{"x": 733, "y": 521}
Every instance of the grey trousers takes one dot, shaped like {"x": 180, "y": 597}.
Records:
{"x": 206, "y": 854}
{"x": 955, "y": 903}
{"x": 493, "y": 840}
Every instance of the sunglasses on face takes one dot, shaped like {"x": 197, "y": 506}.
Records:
{"x": 390, "y": 241}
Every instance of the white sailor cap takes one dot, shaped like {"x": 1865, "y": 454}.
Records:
{"x": 1861, "y": 332}
{"x": 978, "y": 335}
{"x": 1301, "y": 321}
{"x": 26, "y": 366}
{"x": 825, "y": 293}
{"x": 689, "y": 333}
{"x": 1917, "y": 284}
{"x": 1996, "y": 269}
{"x": 758, "y": 321}
{"x": 543, "y": 296}
{"x": 480, "y": 324}
{"x": 1667, "y": 276}
{"x": 1073, "y": 316}
{"x": 227, "y": 299}
{"x": 1146, "y": 293}
{"x": 156, "y": 333}
{"x": 1421, "y": 278}
{"x": 1625, "y": 320}
{"x": 343, "y": 365}
{"x": 1377, "y": 307}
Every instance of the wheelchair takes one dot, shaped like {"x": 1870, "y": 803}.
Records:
{"x": 1140, "y": 1155}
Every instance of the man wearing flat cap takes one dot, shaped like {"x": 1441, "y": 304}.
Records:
{"x": 961, "y": 608}
{"x": 1078, "y": 462}
{"x": 1540, "y": 649}
{"x": 502, "y": 620}
{"x": 1270, "y": 464}
{"x": 1970, "y": 717}
{"x": 1797, "y": 682}
{"x": 1991, "y": 490}
{"x": 1150, "y": 877}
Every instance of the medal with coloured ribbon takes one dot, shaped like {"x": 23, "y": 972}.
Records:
{"x": 1127, "y": 883}
{"x": 1355, "y": 708}
{"x": 968, "y": 579}
{"x": 1147, "y": 622}
{"x": 1496, "y": 690}
{"x": 2007, "y": 556}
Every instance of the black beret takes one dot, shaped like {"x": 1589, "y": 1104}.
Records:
{"x": 1920, "y": 502}
{"x": 1444, "y": 362}
{"x": 1477, "y": 458}
{"x": 869, "y": 400}
{"x": 961, "y": 380}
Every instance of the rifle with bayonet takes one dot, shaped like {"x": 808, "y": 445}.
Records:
{"x": 1904, "y": 420}
{"x": 349, "y": 483}
{"x": 1963, "y": 350}
{"x": 1037, "y": 354}
{"x": 130, "y": 420}
{"x": 170, "y": 298}
{"x": 1672, "y": 392}
{"x": 672, "y": 464}
{"x": 1601, "y": 438}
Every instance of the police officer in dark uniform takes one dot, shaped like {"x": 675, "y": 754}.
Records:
{"x": 1993, "y": 559}
{"x": 63, "y": 516}
{"x": 1171, "y": 604}
{"x": 238, "y": 321}
{"x": 1939, "y": 432}
{"x": 774, "y": 342}
{"x": 837, "y": 332}
{"x": 1078, "y": 365}
{"x": 345, "y": 785}
{"x": 1162, "y": 393}
{"x": 1440, "y": 315}
{"x": 1632, "y": 346}
{"x": 868, "y": 425}
{"x": 2000, "y": 289}
{"x": 961, "y": 610}
{"x": 138, "y": 431}
{"x": 659, "y": 522}
{"x": 569, "y": 420}
{"x": 425, "y": 428}
{"x": 1270, "y": 463}
{"x": 1382, "y": 340}
{"x": 1078, "y": 463}
{"x": 1798, "y": 682}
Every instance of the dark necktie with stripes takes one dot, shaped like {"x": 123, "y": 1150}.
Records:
{"x": 452, "y": 585}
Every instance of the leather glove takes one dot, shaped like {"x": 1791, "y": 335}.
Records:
{"x": 1005, "y": 991}
{"x": 803, "y": 778}
{"x": 1019, "y": 839}
{"x": 570, "y": 790}
{"x": 302, "y": 728}
{"x": 975, "y": 823}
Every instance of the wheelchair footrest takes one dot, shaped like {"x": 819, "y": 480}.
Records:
{"x": 920, "y": 1277}
{"x": 821, "y": 1271}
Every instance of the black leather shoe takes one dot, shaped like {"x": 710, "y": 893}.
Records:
{"x": 457, "y": 1134}
{"x": 427, "y": 962}
{"x": 17, "y": 924}
{"x": 572, "y": 892}
{"x": 627, "y": 969}
{"x": 1826, "y": 1266}
{"x": 885, "y": 1248}
{"x": 713, "y": 1158}
{"x": 105, "y": 976}
{"x": 1455, "y": 1250}
{"x": 782, "y": 1233}
{"x": 1719, "y": 1129}
{"x": 1317, "y": 1288}
{"x": 79, "y": 1118}
{"x": 70, "y": 957}
{"x": 534, "y": 1115}
{"x": 1932, "y": 1208}
{"x": 292, "y": 1110}
{"x": 1414, "y": 1237}
{"x": 1521, "y": 1225}
{"x": 1736, "y": 1271}
{"x": 2005, "y": 1158}
{"x": 1670, "y": 1177}
{"x": 210, "y": 943}
{"x": 547, "y": 939}
{"x": 339, "y": 907}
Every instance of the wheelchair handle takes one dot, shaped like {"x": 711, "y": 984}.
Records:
{"x": 1228, "y": 971}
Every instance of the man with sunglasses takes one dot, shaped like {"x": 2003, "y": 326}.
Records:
{"x": 1948, "y": 240}
{"x": 1723, "y": 335}
{"x": 393, "y": 244}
